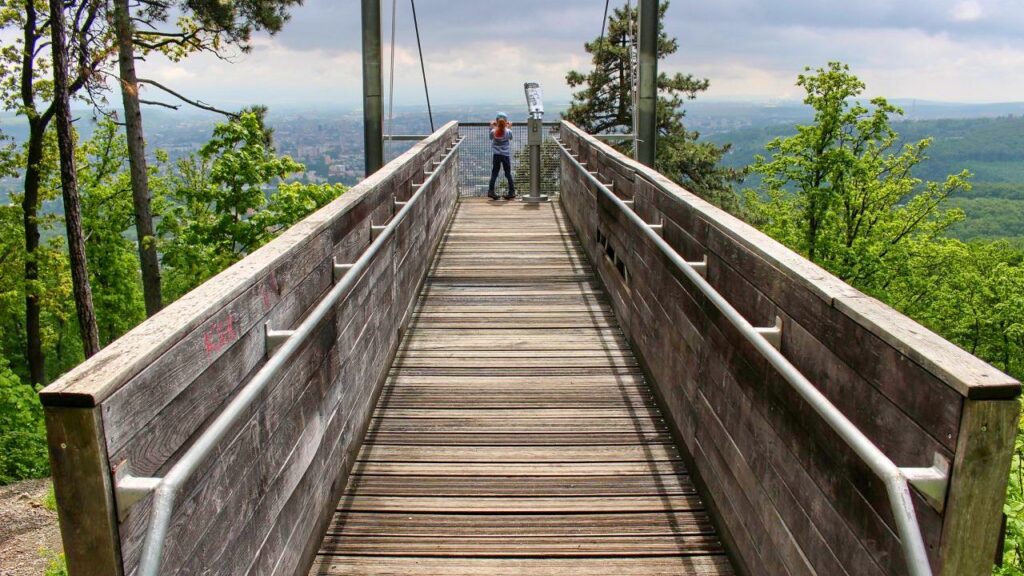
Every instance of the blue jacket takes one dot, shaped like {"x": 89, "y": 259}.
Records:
{"x": 501, "y": 146}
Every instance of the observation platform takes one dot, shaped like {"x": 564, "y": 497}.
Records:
{"x": 625, "y": 381}
{"x": 515, "y": 433}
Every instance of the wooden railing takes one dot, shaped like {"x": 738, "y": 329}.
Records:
{"x": 789, "y": 494}
{"x": 261, "y": 502}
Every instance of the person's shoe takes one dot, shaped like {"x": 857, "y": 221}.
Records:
{"x": 492, "y": 196}
{"x": 510, "y": 196}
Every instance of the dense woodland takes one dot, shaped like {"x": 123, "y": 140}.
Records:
{"x": 927, "y": 216}
{"x": 134, "y": 231}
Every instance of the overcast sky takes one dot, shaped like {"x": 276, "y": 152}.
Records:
{"x": 481, "y": 51}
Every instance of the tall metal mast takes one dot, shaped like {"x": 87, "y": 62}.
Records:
{"x": 648, "y": 105}
{"x": 373, "y": 107}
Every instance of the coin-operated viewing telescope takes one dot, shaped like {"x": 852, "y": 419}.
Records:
{"x": 535, "y": 137}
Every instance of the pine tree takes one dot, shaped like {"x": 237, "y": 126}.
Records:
{"x": 603, "y": 104}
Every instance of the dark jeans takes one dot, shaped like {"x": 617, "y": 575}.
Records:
{"x": 498, "y": 163}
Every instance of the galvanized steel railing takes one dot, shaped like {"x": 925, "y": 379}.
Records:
{"x": 281, "y": 346}
{"x": 475, "y": 160}
{"x": 930, "y": 481}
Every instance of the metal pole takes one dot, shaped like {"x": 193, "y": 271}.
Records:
{"x": 648, "y": 106}
{"x": 373, "y": 107}
{"x": 534, "y": 139}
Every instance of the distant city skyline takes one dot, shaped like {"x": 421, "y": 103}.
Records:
{"x": 479, "y": 51}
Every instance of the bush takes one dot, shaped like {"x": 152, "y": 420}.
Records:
{"x": 22, "y": 432}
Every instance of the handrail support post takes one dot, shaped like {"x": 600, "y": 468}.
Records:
{"x": 276, "y": 338}
{"x": 773, "y": 334}
{"x": 932, "y": 482}
{"x": 701, "y": 268}
{"x": 129, "y": 490}
{"x": 339, "y": 270}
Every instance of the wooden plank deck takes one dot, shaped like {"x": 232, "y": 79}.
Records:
{"x": 516, "y": 434}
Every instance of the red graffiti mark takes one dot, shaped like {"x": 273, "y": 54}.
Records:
{"x": 220, "y": 335}
{"x": 266, "y": 297}
{"x": 273, "y": 282}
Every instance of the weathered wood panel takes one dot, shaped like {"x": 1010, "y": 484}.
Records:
{"x": 259, "y": 505}
{"x": 791, "y": 496}
{"x": 524, "y": 431}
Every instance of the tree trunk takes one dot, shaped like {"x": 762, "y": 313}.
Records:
{"x": 144, "y": 229}
{"x": 30, "y": 211}
{"x": 69, "y": 185}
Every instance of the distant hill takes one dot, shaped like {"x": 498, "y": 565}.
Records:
{"x": 990, "y": 148}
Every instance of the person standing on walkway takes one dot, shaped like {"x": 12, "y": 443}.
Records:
{"x": 501, "y": 147}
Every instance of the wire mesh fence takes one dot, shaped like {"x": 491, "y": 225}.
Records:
{"x": 475, "y": 160}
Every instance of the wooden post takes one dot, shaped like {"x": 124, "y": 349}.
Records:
{"x": 85, "y": 491}
{"x": 978, "y": 486}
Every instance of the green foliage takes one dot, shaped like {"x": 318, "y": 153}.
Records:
{"x": 1013, "y": 550}
{"x": 53, "y": 287}
{"x": 843, "y": 191}
{"x": 58, "y": 565}
{"x": 50, "y": 500}
{"x": 108, "y": 215}
{"x": 991, "y": 148}
{"x": 222, "y": 206}
{"x": 22, "y": 433}
{"x": 604, "y": 104}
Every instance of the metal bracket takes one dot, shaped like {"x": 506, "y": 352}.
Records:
{"x": 376, "y": 231}
{"x": 772, "y": 334}
{"x": 129, "y": 490}
{"x": 629, "y": 204}
{"x": 399, "y": 203}
{"x": 932, "y": 483}
{"x": 340, "y": 270}
{"x": 658, "y": 229}
{"x": 702, "y": 269}
{"x": 276, "y": 338}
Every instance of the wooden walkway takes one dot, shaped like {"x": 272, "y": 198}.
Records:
{"x": 515, "y": 434}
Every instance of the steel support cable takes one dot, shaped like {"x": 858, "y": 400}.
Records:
{"x": 893, "y": 477}
{"x": 604, "y": 22}
{"x": 423, "y": 66}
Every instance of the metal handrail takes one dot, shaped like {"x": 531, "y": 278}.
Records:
{"x": 549, "y": 124}
{"x": 896, "y": 479}
{"x": 166, "y": 489}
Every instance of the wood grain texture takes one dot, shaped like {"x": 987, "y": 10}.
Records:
{"x": 515, "y": 433}
{"x": 258, "y": 504}
{"x": 790, "y": 495}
